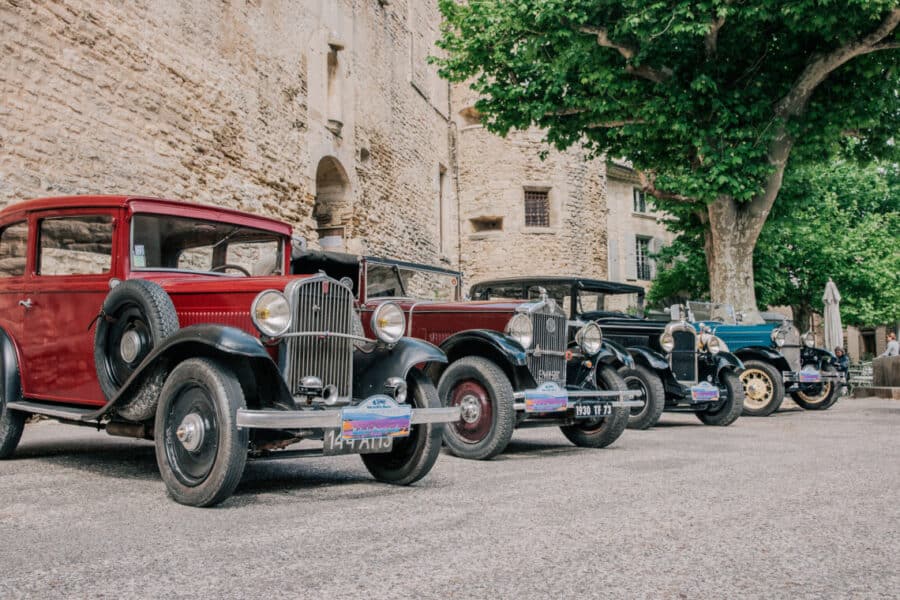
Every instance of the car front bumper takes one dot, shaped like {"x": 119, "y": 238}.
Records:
{"x": 571, "y": 400}
{"x": 331, "y": 418}
{"x": 798, "y": 377}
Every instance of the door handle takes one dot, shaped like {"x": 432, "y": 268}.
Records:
{"x": 27, "y": 303}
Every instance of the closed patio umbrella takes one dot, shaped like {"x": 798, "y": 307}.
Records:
{"x": 834, "y": 335}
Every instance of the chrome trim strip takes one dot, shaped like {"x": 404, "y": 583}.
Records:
{"x": 590, "y": 394}
{"x": 326, "y": 334}
{"x": 614, "y": 404}
{"x": 327, "y": 419}
{"x": 409, "y": 319}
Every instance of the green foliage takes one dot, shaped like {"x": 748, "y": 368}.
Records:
{"x": 836, "y": 220}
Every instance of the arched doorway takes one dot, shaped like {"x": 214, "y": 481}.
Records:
{"x": 332, "y": 207}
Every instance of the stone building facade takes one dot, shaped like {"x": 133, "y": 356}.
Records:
{"x": 323, "y": 113}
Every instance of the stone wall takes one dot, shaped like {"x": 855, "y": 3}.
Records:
{"x": 251, "y": 105}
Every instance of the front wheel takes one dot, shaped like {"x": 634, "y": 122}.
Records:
{"x": 411, "y": 458}
{"x": 763, "y": 388}
{"x": 730, "y": 409}
{"x": 600, "y": 433}
{"x": 12, "y": 423}
{"x": 488, "y": 414}
{"x": 199, "y": 449}
{"x": 642, "y": 379}
{"x": 820, "y": 396}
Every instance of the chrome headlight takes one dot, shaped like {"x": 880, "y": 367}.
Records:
{"x": 667, "y": 341}
{"x": 778, "y": 336}
{"x": 589, "y": 338}
{"x": 271, "y": 313}
{"x": 715, "y": 345}
{"x": 520, "y": 329}
{"x": 809, "y": 340}
{"x": 389, "y": 323}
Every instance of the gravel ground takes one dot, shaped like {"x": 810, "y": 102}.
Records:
{"x": 800, "y": 504}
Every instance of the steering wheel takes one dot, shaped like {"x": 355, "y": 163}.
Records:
{"x": 227, "y": 266}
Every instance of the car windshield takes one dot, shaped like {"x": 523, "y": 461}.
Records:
{"x": 588, "y": 301}
{"x": 624, "y": 304}
{"x": 167, "y": 243}
{"x": 711, "y": 311}
{"x": 396, "y": 281}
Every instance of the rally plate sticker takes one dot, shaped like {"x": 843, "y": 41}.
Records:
{"x": 704, "y": 392}
{"x": 376, "y": 417}
{"x": 549, "y": 397}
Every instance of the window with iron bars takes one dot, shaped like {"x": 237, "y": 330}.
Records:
{"x": 642, "y": 258}
{"x": 537, "y": 208}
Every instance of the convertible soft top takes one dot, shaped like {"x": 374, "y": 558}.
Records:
{"x": 591, "y": 285}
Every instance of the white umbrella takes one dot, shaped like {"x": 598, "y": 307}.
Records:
{"x": 834, "y": 335}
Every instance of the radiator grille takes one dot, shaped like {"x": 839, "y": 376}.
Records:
{"x": 321, "y": 304}
{"x": 683, "y": 358}
{"x": 548, "y": 367}
{"x": 791, "y": 348}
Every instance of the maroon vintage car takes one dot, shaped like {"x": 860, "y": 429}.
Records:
{"x": 177, "y": 322}
{"x": 510, "y": 363}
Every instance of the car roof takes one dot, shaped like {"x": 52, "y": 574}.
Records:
{"x": 119, "y": 201}
{"x": 323, "y": 259}
{"x": 593, "y": 285}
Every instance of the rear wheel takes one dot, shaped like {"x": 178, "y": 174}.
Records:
{"x": 12, "y": 423}
{"x": 411, "y": 458}
{"x": 199, "y": 449}
{"x": 600, "y": 433}
{"x": 763, "y": 388}
{"x": 640, "y": 378}
{"x": 820, "y": 396}
{"x": 730, "y": 409}
{"x": 488, "y": 416}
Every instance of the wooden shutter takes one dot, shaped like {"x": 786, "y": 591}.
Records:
{"x": 630, "y": 256}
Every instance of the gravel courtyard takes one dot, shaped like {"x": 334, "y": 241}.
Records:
{"x": 800, "y": 504}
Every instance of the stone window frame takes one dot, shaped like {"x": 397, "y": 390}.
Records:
{"x": 552, "y": 208}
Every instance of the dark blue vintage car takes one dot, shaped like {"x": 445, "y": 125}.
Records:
{"x": 777, "y": 358}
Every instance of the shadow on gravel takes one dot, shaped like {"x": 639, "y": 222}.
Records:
{"x": 517, "y": 447}
{"x": 99, "y": 457}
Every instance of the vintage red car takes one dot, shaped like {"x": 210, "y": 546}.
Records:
{"x": 179, "y": 323}
{"x": 511, "y": 363}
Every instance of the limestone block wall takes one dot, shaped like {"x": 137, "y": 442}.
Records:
{"x": 235, "y": 104}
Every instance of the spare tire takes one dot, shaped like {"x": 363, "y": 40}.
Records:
{"x": 137, "y": 315}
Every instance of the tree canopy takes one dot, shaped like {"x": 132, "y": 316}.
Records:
{"x": 707, "y": 99}
{"x": 838, "y": 220}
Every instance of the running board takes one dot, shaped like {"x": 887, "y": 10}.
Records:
{"x": 55, "y": 411}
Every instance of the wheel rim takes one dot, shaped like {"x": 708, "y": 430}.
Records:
{"x": 634, "y": 383}
{"x": 477, "y": 412}
{"x": 758, "y": 388}
{"x": 192, "y": 435}
{"x": 824, "y": 391}
{"x": 128, "y": 342}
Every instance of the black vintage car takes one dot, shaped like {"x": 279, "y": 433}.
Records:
{"x": 677, "y": 368}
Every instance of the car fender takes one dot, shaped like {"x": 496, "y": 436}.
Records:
{"x": 507, "y": 353}
{"x": 372, "y": 369}
{"x": 648, "y": 357}
{"x": 12, "y": 382}
{"x": 820, "y": 356}
{"x": 726, "y": 360}
{"x": 774, "y": 358}
{"x": 613, "y": 354}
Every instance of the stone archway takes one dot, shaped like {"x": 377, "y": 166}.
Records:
{"x": 332, "y": 208}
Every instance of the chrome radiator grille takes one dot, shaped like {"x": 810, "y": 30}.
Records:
{"x": 683, "y": 358}
{"x": 324, "y": 306}
{"x": 791, "y": 348}
{"x": 547, "y": 356}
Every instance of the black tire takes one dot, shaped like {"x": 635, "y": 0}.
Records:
{"x": 12, "y": 423}
{"x": 202, "y": 391}
{"x": 600, "y": 433}
{"x": 763, "y": 388}
{"x": 411, "y": 458}
{"x": 137, "y": 308}
{"x": 641, "y": 378}
{"x": 729, "y": 411}
{"x": 489, "y": 433}
{"x": 826, "y": 397}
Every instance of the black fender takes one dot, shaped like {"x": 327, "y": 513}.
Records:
{"x": 372, "y": 369}
{"x": 649, "y": 358}
{"x": 716, "y": 363}
{"x": 259, "y": 375}
{"x": 820, "y": 357}
{"x": 613, "y": 354}
{"x": 9, "y": 362}
{"x": 504, "y": 351}
{"x": 774, "y": 358}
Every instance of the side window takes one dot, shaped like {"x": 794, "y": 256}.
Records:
{"x": 13, "y": 249}
{"x": 75, "y": 245}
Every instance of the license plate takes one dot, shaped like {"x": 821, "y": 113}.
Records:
{"x": 547, "y": 398}
{"x": 593, "y": 410}
{"x": 376, "y": 417}
{"x": 335, "y": 444}
{"x": 704, "y": 392}
{"x": 810, "y": 376}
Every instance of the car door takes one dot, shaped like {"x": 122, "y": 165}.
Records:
{"x": 74, "y": 262}
{"x": 14, "y": 238}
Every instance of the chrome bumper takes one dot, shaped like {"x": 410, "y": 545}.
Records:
{"x": 794, "y": 377}
{"x": 576, "y": 397}
{"x": 328, "y": 418}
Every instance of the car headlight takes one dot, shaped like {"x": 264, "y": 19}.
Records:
{"x": 519, "y": 328}
{"x": 389, "y": 323}
{"x": 589, "y": 338}
{"x": 809, "y": 340}
{"x": 667, "y": 341}
{"x": 715, "y": 345}
{"x": 271, "y": 313}
{"x": 778, "y": 336}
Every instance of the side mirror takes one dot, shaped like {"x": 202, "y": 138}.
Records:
{"x": 298, "y": 247}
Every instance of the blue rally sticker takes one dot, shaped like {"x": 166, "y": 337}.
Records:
{"x": 547, "y": 398}
{"x": 810, "y": 375}
{"x": 375, "y": 417}
{"x": 704, "y": 392}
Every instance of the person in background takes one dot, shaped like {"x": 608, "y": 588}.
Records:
{"x": 893, "y": 347}
{"x": 842, "y": 363}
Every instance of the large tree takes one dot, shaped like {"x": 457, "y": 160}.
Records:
{"x": 836, "y": 220}
{"x": 706, "y": 99}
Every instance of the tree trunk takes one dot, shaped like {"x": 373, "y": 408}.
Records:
{"x": 802, "y": 317}
{"x": 730, "y": 240}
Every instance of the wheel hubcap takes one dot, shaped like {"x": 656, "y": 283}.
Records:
{"x": 476, "y": 411}
{"x": 757, "y": 388}
{"x": 471, "y": 409}
{"x": 130, "y": 346}
{"x": 191, "y": 432}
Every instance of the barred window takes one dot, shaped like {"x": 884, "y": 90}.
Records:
{"x": 642, "y": 257}
{"x": 640, "y": 201}
{"x": 537, "y": 208}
